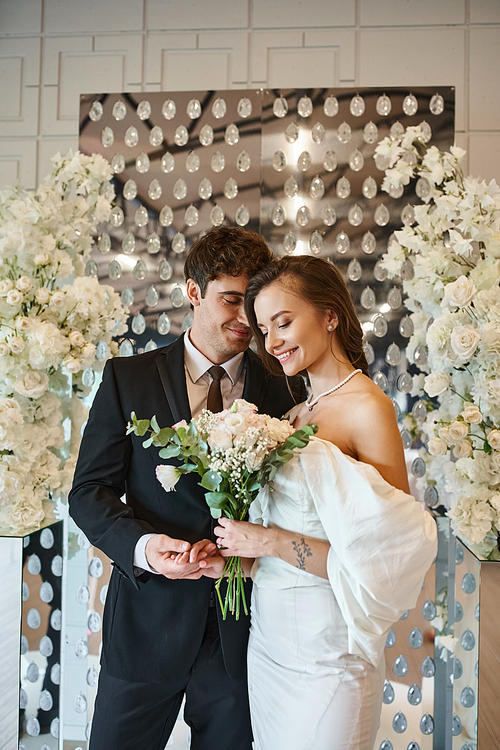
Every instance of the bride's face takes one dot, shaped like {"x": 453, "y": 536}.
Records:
{"x": 295, "y": 332}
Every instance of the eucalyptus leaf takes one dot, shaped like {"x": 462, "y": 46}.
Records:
{"x": 211, "y": 480}
{"x": 216, "y": 512}
{"x": 154, "y": 424}
{"x": 142, "y": 427}
{"x": 171, "y": 451}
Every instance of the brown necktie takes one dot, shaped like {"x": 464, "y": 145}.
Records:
{"x": 214, "y": 400}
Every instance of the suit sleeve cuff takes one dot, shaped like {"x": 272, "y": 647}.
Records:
{"x": 141, "y": 564}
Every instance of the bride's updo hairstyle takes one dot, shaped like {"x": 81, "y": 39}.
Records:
{"x": 321, "y": 284}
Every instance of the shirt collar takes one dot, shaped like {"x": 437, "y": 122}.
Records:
{"x": 197, "y": 364}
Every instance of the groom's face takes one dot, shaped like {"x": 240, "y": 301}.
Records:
{"x": 220, "y": 328}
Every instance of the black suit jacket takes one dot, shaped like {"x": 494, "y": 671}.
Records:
{"x": 153, "y": 627}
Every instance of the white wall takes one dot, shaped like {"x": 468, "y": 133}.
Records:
{"x": 53, "y": 50}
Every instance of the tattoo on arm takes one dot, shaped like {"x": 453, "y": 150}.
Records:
{"x": 302, "y": 550}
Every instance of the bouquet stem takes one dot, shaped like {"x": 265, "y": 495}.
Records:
{"x": 235, "y": 593}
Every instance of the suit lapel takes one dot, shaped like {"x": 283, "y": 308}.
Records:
{"x": 255, "y": 380}
{"x": 172, "y": 373}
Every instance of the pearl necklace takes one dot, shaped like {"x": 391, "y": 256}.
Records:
{"x": 310, "y": 403}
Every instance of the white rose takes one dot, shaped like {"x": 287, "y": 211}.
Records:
{"x": 72, "y": 364}
{"x": 76, "y": 339}
{"x": 4, "y": 349}
{"x": 436, "y": 383}
{"x": 471, "y": 414}
{"x": 168, "y": 476}
{"x": 464, "y": 341}
{"x": 220, "y": 438}
{"x": 437, "y": 447}
{"x": 16, "y": 344}
{"x": 42, "y": 295}
{"x": 14, "y": 297}
{"x": 242, "y": 406}
{"x": 32, "y": 384}
{"x": 495, "y": 502}
{"x": 444, "y": 434}
{"x": 459, "y": 293}
{"x": 58, "y": 300}
{"x": 458, "y": 431}
{"x": 462, "y": 449}
{"x": 494, "y": 439}
{"x": 235, "y": 423}
{"x": 24, "y": 284}
{"x": 41, "y": 259}
{"x": 22, "y": 323}
{"x": 279, "y": 429}
{"x": 5, "y": 286}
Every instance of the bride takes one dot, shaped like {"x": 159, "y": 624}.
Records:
{"x": 340, "y": 547}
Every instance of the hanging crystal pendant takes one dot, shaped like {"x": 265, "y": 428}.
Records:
{"x": 329, "y": 215}
{"x": 163, "y": 324}
{"x": 280, "y": 107}
{"x": 369, "y": 188}
{"x": 396, "y": 129}
{"x": 141, "y": 216}
{"x": 379, "y": 272}
{"x": 243, "y": 162}
{"x": 169, "y": 109}
{"x": 317, "y": 188}
{"x": 116, "y": 216}
{"x": 393, "y": 355}
{"x": 330, "y": 161}
{"x": 420, "y": 355}
{"x": 181, "y": 136}
{"x": 131, "y": 137}
{"x": 219, "y": 108}
{"x": 167, "y": 162}
{"x": 305, "y": 106}
{"x": 205, "y": 189}
{"x": 180, "y": 189}
{"x": 128, "y": 243}
{"x": 138, "y": 324}
{"x": 152, "y": 297}
{"x": 126, "y": 349}
{"x": 383, "y": 105}
{"x": 355, "y": 215}
{"x": 192, "y": 162}
{"x": 191, "y": 216}
{"x": 127, "y": 296}
{"x": 165, "y": 270}
{"x": 216, "y": 216}
{"x": 316, "y": 243}
{"x": 91, "y": 269}
{"x": 381, "y": 380}
{"x": 278, "y": 216}
{"x": 166, "y": 216}
{"x": 331, "y": 106}
{"x": 231, "y": 188}
{"x": 177, "y": 296}
{"x": 419, "y": 411}
{"x": 142, "y": 163}
{"x": 242, "y": 216}
{"x": 343, "y": 188}
{"x": 96, "y": 111}
{"x": 107, "y": 137}
{"x": 193, "y": 109}
{"x": 151, "y": 346}
{"x": 369, "y": 353}
{"x": 396, "y": 191}
{"x": 279, "y": 161}
{"x": 304, "y": 161}
{"x": 140, "y": 270}
{"x": 153, "y": 243}
{"x": 244, "y": 108}
{"x": 291, "y": 188}
{"x": 380, "y": 326}
{"x": 101, "y": 351}
{"x": 344, "y": 132}
{"x": 114, "y": 270}
{"x": 178, "y": 243}
{"x": 118, "y": 163}
{"x": 368, "y": 243}
{"x": 408, "y": 215}
{"x": 436, "y": 106}
{"x": 395, "y": 298}
{"x": 144, "y": 110}
{"x": 406, "y": 327}
{"x": 370, "y": 132}
{"x": 426, "y": 131}
{"x": 289, "y": 243}
{"x": 232, "y": 135}
{"x": 104, "y": 243}
{"x": 318, "y": 133}
{"x": 357, "y": 106}
{"x": 303, "y": 216}
{"x": 206, "y": 135}
{"x": 356, "y": 161}
{"x": 217, "y": 162}
{"x": 410, "y": 105}
{"x": 381, "y": 162}
{"x": 156, "y": 136}
{"x": 423, "y": 188}
{"x": 354, "y": 270}
{"x": 367, "y": 298}
{"x": 381, "y": 215}
{"x": 119, "y": 110}
{"x": 342, "y": 243}
{"x": 292, "y": 132}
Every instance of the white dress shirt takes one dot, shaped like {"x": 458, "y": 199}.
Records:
{"x": 198, "y": 382}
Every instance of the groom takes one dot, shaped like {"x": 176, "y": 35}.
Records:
{"x": 163, "y": 636}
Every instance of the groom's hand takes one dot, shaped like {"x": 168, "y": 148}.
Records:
{"x": 175, "y": 558}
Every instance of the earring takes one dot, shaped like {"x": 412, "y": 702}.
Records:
{"x": 330, "y": 328}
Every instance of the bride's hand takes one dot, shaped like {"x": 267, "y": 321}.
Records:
{"x": 243, "y": 538}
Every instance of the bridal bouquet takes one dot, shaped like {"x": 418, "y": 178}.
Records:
{"x": 235, "y": 452}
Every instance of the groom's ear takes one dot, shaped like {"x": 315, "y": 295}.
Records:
{"x": 193, "y": 292}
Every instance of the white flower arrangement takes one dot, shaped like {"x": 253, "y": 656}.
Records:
{"x": 449, "y": 262}
{"x": 51, "y": 318}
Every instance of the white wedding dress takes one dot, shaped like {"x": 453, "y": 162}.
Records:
{"x": 315, "y": 657}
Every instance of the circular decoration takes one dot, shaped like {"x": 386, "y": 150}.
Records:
{"x": 205, "y": 189}
{"x": 380, "y": 326}
{"x": 217, "y": 162}
{"x": 169, "y": 109}
{"x": 154, "y": 190}
{"x": 356, "y": 161}
{"x": 178, "y": 243}
{"x": 357, "y": 106}
{"x": 166, "y": 216}
{"x": 330, "y": 161}
{"x": 119, "y": 110}
{"x": 231, "y": 188}
{"x": 130, "y": 190}
{"x": 318, "y": 133}
{"x": 342, "y": 243}
{"x": 219, "y": 108}
{"x": 131, "y": 137}
{"x": 410, "y": 105}
{"x": 305, "y": 106}
{"x": 191, "y": 216}
{"x": 329, "y": 215}
{"x": 216, "y": 216}
{"x": 242, "y": 216}
{"x": 343, "y": 188}
{"x": 165, "y": 270}
{"x": 163, "y": 325}
{"x": 141, "y": 216}
{"x": 316, "y": 243}
{"x": 289, "y": 243}
{"x": 304, "y": 161}
{"x": 156, "y": 136}
{"x": 354, "y": 270}
{"x": 291, "y": 188}
{"x": 192, "y": 162}
{"x": 193, "y": 109}
{"x": 388, "y": 694}
{"x": 381, "y": 380}
{"x": 278, "y": 216}
{"x": 414, "y": 695}
{"x": 177, "y": 296}
{"x": 370, "y": 132}
{"x": 279, "y": 161}
{"x": 206, "y": 135}
{"x": 400, "y": 667}
{"x": 344, "y": 132}
{"x": 355, "y": 215}
{"x": 144, "y": 110}
{"x": 96, "y": 111}
{"x": 303, "y": 216}
{"x": 181, "y": 136}
{"x": 427, "y": 724}
{"x": 367, "y": 298}
{"x": 382, "y": 215}
{"x": 436, "y": 105}
{"x": 280, "y": 107}
{"x": 383, "y": 105}
{"x": 244, "y": 107}
{"x": 331, "y": 106}
{"x": 369, "y": 188}
{"x": 180, "y": 189}
{"x": 107, "y": 137}
{"x": 317, "y": 188}
{"x": 167, "y": 163}
{"x": 243, "y": 162}
{"x": 292, "y": 132}
{"x": 118, "y": 163}
{"x": 232, "y": 135}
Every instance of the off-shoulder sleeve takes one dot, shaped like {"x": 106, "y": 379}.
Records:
{"x": 382, "y": 544}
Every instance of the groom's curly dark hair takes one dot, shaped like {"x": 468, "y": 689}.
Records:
{"x": 222, "y": 251}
